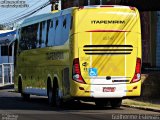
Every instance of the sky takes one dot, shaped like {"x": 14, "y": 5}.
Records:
{"x": 9, "y": 14}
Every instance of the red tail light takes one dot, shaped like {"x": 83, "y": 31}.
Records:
{"x": 81, "y": 7}
{"x": 132, "y": 8}
{"x": 137, "y": 75}
{"x": 76, "y": 72}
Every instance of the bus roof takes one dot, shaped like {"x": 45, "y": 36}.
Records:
{"x": 43, "y": 17}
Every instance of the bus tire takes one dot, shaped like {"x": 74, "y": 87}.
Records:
{"x": 56, "y": 97}
{"x": 50, "y": 93}
{"x": 19, "y": 86}
{"x": 116, "y": 103}
{"x": 24, "y": 96}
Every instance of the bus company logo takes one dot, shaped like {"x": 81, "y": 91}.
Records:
{"x": 107, "y": 22}
{"x": 55, "y": 56}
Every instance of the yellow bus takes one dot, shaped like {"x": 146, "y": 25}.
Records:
{"x": 90, "y": 53}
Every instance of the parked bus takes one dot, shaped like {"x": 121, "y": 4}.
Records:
{"x": 83, "y": 53}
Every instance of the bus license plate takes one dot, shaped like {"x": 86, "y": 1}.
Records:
{"x": 109, "y": 89}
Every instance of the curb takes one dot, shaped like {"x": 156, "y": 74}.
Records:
{"x": 142, "y": 108}
{"x": 10, "y": 86}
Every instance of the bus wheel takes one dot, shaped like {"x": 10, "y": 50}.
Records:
{"x": 57, "y": 100}
{"x": 101, "y": 102}
{"x": 116, "y": 103}
{"x": 19, "y": 86}
{"x": 23, "y": 95}
{"x": 50, "y": 95}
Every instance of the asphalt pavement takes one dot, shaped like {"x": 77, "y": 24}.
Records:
{"x": 12, "y": 107}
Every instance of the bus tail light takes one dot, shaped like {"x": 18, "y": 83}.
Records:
{"x": 76, "y": 72}
{"x": 137, "y": 75}
{"x": 81, "y": 7}
{"x": 132, "y": 8}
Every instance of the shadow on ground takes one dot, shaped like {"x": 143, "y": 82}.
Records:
{"x": 13, "y": 101}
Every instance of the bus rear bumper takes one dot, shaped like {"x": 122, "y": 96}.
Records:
{"x": 106, "y": 91}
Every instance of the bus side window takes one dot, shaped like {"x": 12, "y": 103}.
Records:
{"x": 66, "y": 28}
{"x": 51, "y": 24}
{"x": 28, "y": 37}
{"x": 33, "y": 36}
{"x": 44, "y": 31}
{"x": 56, "y": 24}
{"x": 51, "y": 33}
{"x": 23, "y": 39}
{"x": 58, "y": 35}
{"x": 48, "y": 27}
{"x": 40, "y": 35}
{"x": 64, "y": 23}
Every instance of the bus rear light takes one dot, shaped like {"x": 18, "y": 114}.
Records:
{"x": 81, "y": 7}
{"x": 137, "y": 75}
{"x": 76, "y": 72}
{"x": 132, "y": 8}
